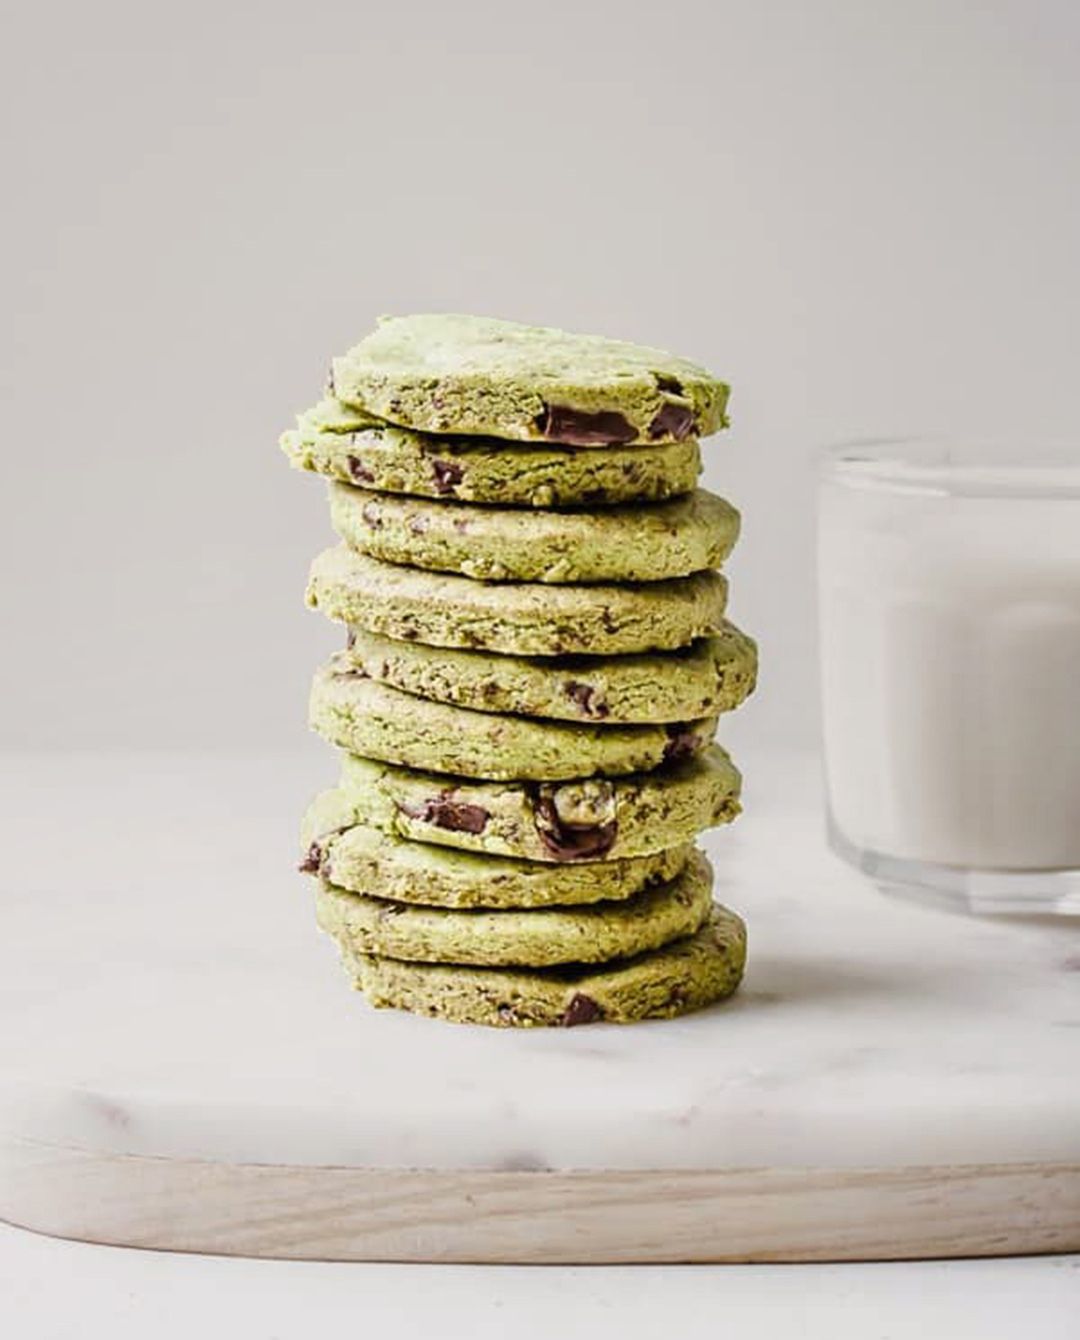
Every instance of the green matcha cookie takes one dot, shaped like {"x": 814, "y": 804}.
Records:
{"x": 714, "y": 674}
{"x": 364, "y": 860}
{"x": 659, "y": 984}
{"x": 366, "y": 717}
{"x": 535, "y": 938}
{"x": 642, "y": 543}
{"x": 526, "y": 618}
{"x": 488, "y": 378}
{"x": 544, "y": 821}
{"x": 350, "y": 445}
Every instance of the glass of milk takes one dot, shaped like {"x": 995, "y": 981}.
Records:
{"x": 949, "y": 578}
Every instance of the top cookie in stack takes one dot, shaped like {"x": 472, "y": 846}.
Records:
{"x": 536, "y": 661}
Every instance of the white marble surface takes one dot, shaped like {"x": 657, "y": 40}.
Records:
{"x": 165, "y": 993}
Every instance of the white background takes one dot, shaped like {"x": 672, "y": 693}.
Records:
{"x": 864, "y": 213}
{"x": 68, "y": 1291}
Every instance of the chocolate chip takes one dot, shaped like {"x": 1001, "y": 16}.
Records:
{"x": 673, "y": 420}
{"x": 587, "y": 698}
{"x": 581, "y": 1010}
{"x": 574, "y": 839}
{"x": 448, "y": 475}
{"x": 312, "y": 861}
{"x": 578, "y": 844}
{"x": 370, "y": 513}
{"x": 457, "y": 816}
{"x": 359, "y": 471}
{"x": 682, "y": 742}
{"x": 584, "y": 428}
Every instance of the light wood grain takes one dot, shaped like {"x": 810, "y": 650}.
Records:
{"x": 326, "y": 1213}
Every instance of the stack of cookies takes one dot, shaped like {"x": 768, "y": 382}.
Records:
{"x": 536, "y": 661}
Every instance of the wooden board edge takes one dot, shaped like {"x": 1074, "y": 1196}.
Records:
{"x": 567, "y": 1218}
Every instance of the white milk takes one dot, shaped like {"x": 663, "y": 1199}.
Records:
{"x": 950, "y": 630}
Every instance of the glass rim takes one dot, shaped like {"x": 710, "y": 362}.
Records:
{"x": 957, "y": 466}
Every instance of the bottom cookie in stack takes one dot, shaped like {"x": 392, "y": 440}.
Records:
{"x": 685, "y": 975}
{"x": 508, "y": 915}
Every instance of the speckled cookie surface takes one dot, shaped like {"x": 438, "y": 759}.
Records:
{"x": 484, "y": 377}
{"x": 714, "y": 674}
{"x": 535, "y": 938}
{"x": 642, "y": 543}
{"x": 364, "y": 860}
{"x": 599, "y": 819}
{"x": 524, "y": 618}
{"x": 660, "y": 984}
{"x": 347, "y": 444}
{"x": 370, "y": 718}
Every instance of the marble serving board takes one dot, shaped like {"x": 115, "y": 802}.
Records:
{"x": 183, "y": 1065}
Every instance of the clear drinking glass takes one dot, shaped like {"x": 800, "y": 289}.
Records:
{"x": 949, "y": 589}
